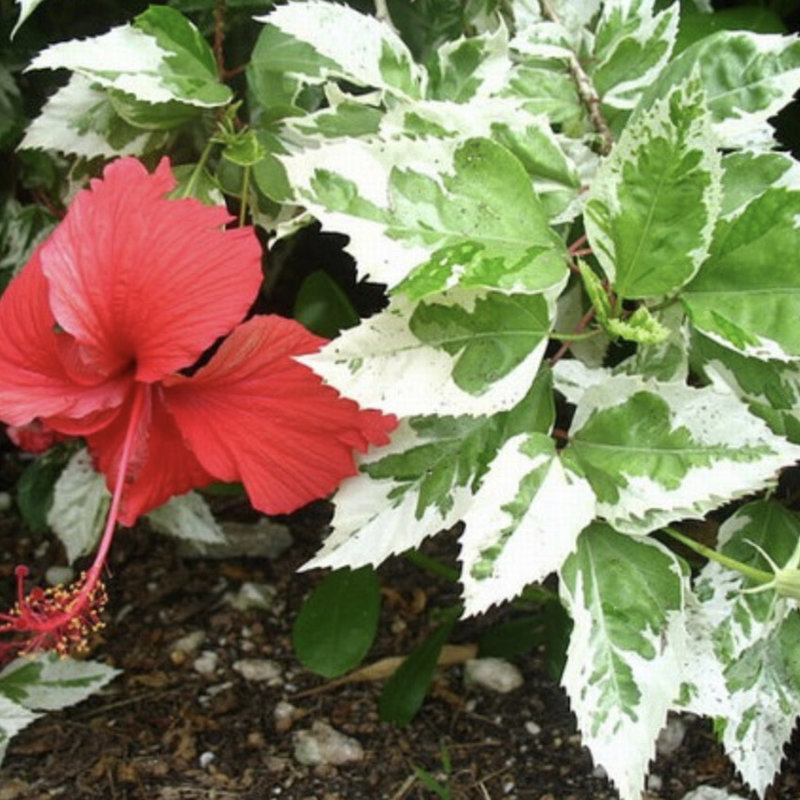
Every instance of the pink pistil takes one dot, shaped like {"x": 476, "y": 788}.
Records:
{"x": 63, "y": 618}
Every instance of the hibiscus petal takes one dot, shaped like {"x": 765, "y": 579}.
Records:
{"x": 35, "y": 381}
{"x": 161, "y": 467}
{"x": 140, "y": 279}
{"x": 256, "y": 415}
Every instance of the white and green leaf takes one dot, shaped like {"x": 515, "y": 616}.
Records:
{"x": 433, "y": 211}
{"x": 658, "y": 452}
{"x": 747, "y": 293}
{"x": 771, "y": 389}
{"x": 79, "y": 119}
{"x": 310, "y": 43}
{"x": 741, "y": 660}
{"x": 457, "y": 353}
{"x": 635, "y": 216}
{"x": 631, "y": 47}
{"x": 80, "y": 505}
{"x": 626, "y": 650}
{"x": 523, "y": 523}
{"x": 49, "y": 682}
{"x": 748, "y": 77}
{"x": 160, "y": 58}
{"x": 426, "y": 479}
{"x": 13, "y": 719}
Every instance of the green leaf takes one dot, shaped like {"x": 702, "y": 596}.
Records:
{"x": 425, "y": 480}
{"x": 323, "y": 307}
{"x": 748, "y": 77}
{"x": 22, "y": 228}
{"x": 152, "y": 116}
{"x": 337, "y": 622}
{"x": 35, "y": 488}
{"x": 747, "y": 175}
{"x": 405, "y": 691}
{"x": 747, "y": 294}
{"x": 635, "y": 214}
{"x": 460, "y": 353}
{"x": 742, "y": 654}
{"x": 623, "y": 669}
{"x": 657, "y": 452}
{"x": 12, "y": 117}
{"x": 243, "y": 148}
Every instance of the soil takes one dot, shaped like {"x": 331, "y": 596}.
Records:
{"x": 165, "y": 731}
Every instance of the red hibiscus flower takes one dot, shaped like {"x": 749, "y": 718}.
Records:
{"x": 129, "y": 290}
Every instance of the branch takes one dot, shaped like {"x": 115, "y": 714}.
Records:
{"x": 586, "y": 90}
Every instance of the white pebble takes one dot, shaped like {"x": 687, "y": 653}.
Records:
{"x": 188, "y": 644}
{"x": 206, "y": 663}
{"x": 258, "y": 669}
{"x": 710, "y": 793}
{"x": 599, "y": 772}
{"x": 325, "y": 745}
{"x": 205, "y": 759}
{"x": 284, "y": 715}
{"x": 532, "y": 728}
{"x": 654, "y": 783}
{"x": 494, "y": 674}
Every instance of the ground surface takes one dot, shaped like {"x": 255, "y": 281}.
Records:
{"x": 166, "y": 731}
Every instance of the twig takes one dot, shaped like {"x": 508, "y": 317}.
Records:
{"x": 219, "y": 37}
{"x": 586, "y": 89}
{"x": 562, "y": 351}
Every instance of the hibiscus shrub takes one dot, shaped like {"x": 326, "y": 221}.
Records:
{"x": 587, "y": 230}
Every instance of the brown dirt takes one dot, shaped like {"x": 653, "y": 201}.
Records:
{"x": 145, "y": 736}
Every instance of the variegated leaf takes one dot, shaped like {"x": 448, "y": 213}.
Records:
{"x": 458, "y": 353}
{"x": 626, "y": 650}
{"x": 523, "y": 523}
{"x": 658, "y": 452}
{"x": 747, "y": 293}
{"x": 741, "y": 660}
{"x": 635, "y": 214}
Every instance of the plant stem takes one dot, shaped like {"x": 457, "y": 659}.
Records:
{"x": 586, "y": 90}
{"x": 245, "y": 194}
{"x": 564, "y": 349}
{"x": 726, "y": 561}
{"x": 198, "y": 168}
{"x": 419, "y": 559}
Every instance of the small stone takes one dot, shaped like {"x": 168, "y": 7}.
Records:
{"x": 206, "y": 663}
{"x": 494, "y": 674}
{"x": 710, "y": 793}
{"x": 284, "y": 715}
{"x": 57, "y": 576}
{"x": 205, "y": 759}
{"x": 325, "y": 745}
{"x": 258, "y": 670}
{"x": 532, "y": 728}
{"x": 671, "y": 736}
{"x": 599, "y": 772}
{"x": 188, "y": 644}
{"x": 251, "y": 595}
